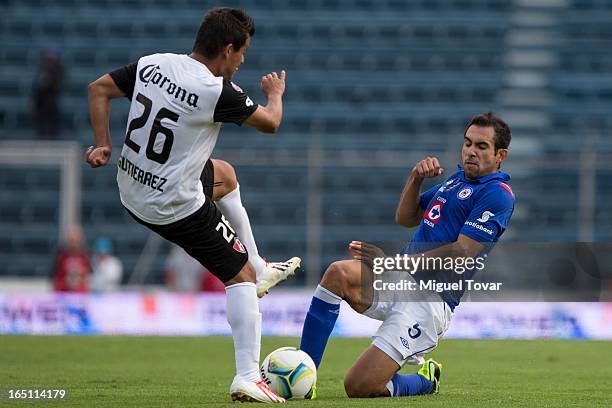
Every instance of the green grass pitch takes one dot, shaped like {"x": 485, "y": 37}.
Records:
{"x": 197, "y": 371}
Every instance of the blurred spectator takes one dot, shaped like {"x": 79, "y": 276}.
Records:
{"x": 46, "y": 112}
{"x": 72, "y": 266}
{"x": 210, "y": 283}
{"x": 107, "y": 269}
{"x": 185, "y": 274}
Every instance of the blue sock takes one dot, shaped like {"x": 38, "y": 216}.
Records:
{"x": 410, "y": 384}
{"x": 319, "y": 323}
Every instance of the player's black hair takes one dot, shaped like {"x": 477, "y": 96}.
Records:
{"x": 503, "y": 134}
{"x": 222, "y": 26}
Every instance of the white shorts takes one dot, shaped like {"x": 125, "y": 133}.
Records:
{"x": 410, "y": 329}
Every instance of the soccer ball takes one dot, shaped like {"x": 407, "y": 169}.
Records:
{"x": 290, "y": 373}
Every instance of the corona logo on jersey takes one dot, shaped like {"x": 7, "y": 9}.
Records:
{"x": 150, "y": 74}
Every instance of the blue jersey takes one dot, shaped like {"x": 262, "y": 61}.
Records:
{"x": 479, "y": 209}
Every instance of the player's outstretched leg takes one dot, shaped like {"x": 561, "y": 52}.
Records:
{"x": 341, "y": 281}
{"x": 319, "y": 323}
{"x": 245, "y": 320}
{"x": 226, "y": 194}
{"x": 375, "y": 372}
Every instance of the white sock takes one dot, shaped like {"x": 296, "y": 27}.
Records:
{"x": 327, "y": 296}
{"x": 231, "y": 207}
{"x": 245, "y": 320}
{"x": 390, "y": 388}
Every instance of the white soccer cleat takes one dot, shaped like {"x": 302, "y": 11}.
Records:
{"x": 276, "y": 272}
{"x": 253, "y": 391}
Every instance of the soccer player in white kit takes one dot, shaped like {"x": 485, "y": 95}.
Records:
{"x": 178, "y": 103}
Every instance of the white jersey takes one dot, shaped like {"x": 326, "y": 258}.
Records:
{"x": 175, "y": 117}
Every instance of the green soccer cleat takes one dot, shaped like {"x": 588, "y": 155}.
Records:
{"x": 432, "y": 370}
{"x": 313, "y": 392}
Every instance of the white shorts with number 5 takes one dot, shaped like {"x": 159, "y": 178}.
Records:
{"x": 411, "y": 328}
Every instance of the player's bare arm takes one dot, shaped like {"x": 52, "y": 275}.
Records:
{"x": 268, "y": 118}
{"x": 409, "y": 213}
{"x": 101, "y": 91}
{"x": 463, "y": 247}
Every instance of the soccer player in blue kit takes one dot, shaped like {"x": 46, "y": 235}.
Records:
{"x": 458, "y": 218}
